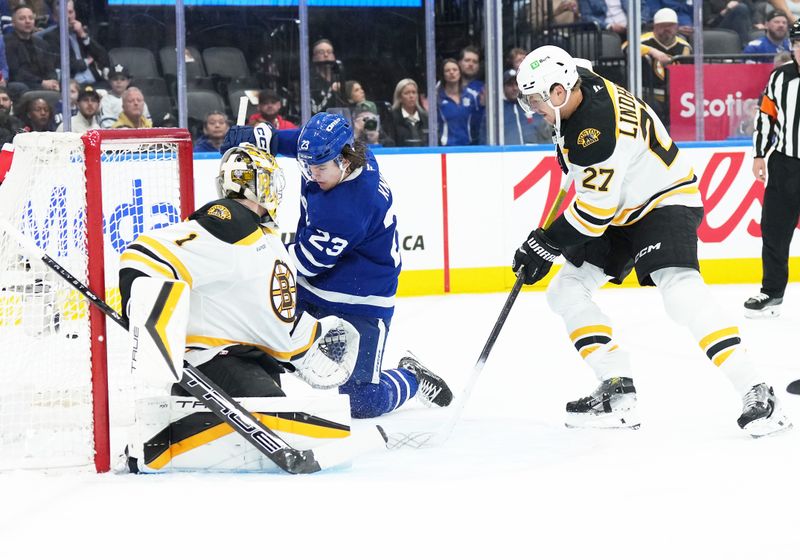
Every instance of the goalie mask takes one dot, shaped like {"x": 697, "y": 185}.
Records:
{"x": 249, "y": 172}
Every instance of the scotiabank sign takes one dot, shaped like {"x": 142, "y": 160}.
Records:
{"x": 730, "y": 100}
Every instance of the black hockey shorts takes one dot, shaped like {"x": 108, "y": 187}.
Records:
{"x": 666, "y": 237}
{"x": 242, "y": 371}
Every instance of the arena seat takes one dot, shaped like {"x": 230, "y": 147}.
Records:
{"x": 141, "y": 63}
{"x": 721, "y": 41}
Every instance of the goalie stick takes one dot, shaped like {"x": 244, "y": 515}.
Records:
{"x": 443, "y": 433}
{"x": 286, "y": 457}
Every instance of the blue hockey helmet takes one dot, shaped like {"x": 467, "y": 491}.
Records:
{"x": 322, "y": 139}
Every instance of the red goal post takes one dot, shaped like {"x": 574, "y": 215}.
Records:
{"x": 82, "y": 199}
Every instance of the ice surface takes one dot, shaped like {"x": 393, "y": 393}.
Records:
{"x": 512, "y": 482}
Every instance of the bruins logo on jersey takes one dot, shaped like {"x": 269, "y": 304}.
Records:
{"x": 283, "y": 292}
{"x": 219, "y": 211}
{"x": 588, "y": 136}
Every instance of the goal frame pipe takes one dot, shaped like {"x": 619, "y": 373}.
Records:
{"x": 93, "y": 142}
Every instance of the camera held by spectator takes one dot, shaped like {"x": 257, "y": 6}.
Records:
{"x": 366, "y": 128}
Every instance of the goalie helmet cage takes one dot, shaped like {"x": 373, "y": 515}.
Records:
{"x": 82, "y": 199}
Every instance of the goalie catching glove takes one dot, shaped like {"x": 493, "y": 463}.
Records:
{"x": 330, "y": 360}
{"x": 533, "y": 259}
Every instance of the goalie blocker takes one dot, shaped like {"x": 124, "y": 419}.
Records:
{"x": 176, "y": 432}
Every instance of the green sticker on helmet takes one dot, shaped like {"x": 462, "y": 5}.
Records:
{"x": 534, "y": 65}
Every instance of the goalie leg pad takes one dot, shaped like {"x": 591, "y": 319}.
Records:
{"x": 179, "y": 434}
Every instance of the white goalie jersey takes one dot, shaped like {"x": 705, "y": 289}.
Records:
{"x": 622, "y": 159}
{"x": 241, "y": 280}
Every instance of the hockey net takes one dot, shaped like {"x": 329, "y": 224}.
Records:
{"x": 64, "y": 372}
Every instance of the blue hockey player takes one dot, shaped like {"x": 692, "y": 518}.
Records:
{"x": 347, "y": 254}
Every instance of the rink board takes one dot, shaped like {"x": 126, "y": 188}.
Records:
{"x": 464, "y": 211}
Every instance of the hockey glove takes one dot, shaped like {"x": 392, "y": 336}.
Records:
{"x": 533, "y": 259}
{"x": 260, "y": 136}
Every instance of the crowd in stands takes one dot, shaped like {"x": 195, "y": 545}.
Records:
{"x": 104, "y": 94}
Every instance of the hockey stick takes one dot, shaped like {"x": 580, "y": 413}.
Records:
{"x": 443, "y": 433}
{"x": 243, "y": 101}
{"x": 286, "y": 457}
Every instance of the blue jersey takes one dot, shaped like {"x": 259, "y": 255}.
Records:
{"x": 459, "y": 123}
{"x": 346, "y": 248}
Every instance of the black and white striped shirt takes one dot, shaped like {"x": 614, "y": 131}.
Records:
{"x": 780, "y": 113}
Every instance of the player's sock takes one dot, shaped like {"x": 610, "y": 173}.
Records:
{"x": 369, "y": 400}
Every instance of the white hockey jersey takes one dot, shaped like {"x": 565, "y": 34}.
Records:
{"x": 622, "y": 160}
{"x": 242, "y": 281}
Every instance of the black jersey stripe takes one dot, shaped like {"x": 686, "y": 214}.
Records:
{"x": 590, "y": 218}
{"x": 594, "y": 339}
{"x": 722, "y": 345}
{"x": 646, "y": 206}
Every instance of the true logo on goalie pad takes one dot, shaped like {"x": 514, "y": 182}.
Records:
{"x": 283, "y": 292}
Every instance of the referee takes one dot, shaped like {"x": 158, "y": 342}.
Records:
{"x": 778, "y": 123}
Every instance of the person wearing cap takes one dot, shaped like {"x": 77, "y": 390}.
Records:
{"x": 774, "y": 41}
{"x": 269, "y": 111}
{"x": 409, "y": 119}
{"x": 88, "y": 111}
{"x": 519, "y": 128}
{"x": 684, "y": 12}
{"x": 111, "y": 100}
{"x": 659, "y": 47}
{"x": 367, "y": 128}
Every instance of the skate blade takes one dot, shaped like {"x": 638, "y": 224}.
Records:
{"x": 794, "y": 387}
{"x": 766, "y": 313}
{"x": 624, "y": 419}
{"x": 764, "y": 427}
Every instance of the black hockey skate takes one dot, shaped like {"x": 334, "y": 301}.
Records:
{"x": 432, "y": 391}
{"x": 761, "y": 413}
{"x": 762, "y": 306}
{"x": 611, "y": 405}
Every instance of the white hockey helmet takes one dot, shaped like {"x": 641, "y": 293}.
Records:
{"x": 542, "y": 69}
{"x": 252, "y": 173}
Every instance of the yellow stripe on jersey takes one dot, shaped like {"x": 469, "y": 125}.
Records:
{"x": 720, "y": 358}
{"x": 158, "y": 248}
{"x": 212, "y": 342}
{"x": 588, "y": 350}
{"x": 592, "y": 230}
{"x": 623, "y": 218}
{"x": 176, "y": 289}
{"x": 601, "y": 213}
{"x": 131, "y": 258}
{"x": 612, "y": 90}
{"x": 251, "y": 239}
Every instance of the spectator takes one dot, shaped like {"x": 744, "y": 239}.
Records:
{"x": 775, "y": 40}
{"x": 41, "y": 9}
{"x": 88, "y": 60}
{"x": 9, "y": 124}
{"x": 326, "y": 77}
{"x": 459, "y": 112}
{"x": 409, "y": 119}
{"x": 3, "y": 62}
{"x": 357, "y": 97}
{"x": 781, "y": 58}
{"x": 88, "y": 117}
{"x": 111, "y": 101}
{"x": 37, "y": 116}
{"x": 789, "y": 7}
{"x": 735, "y": 15}
{"x": 58, "y": 110}
{"x": 515, "y": 57}
{"x": 518, "y": 128}
{"x": 29, "y": 62}
{"x": 683, "y": 10}
{"x": 132, "y": 115}
{"x": 469, "y": 63}
{"x": 215, "y": 127}
{"x": 367, "y": 128}
{"x": 659, "y": 47}
{"x": 269, "y": 109}
{"x": 608, "y": 14}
